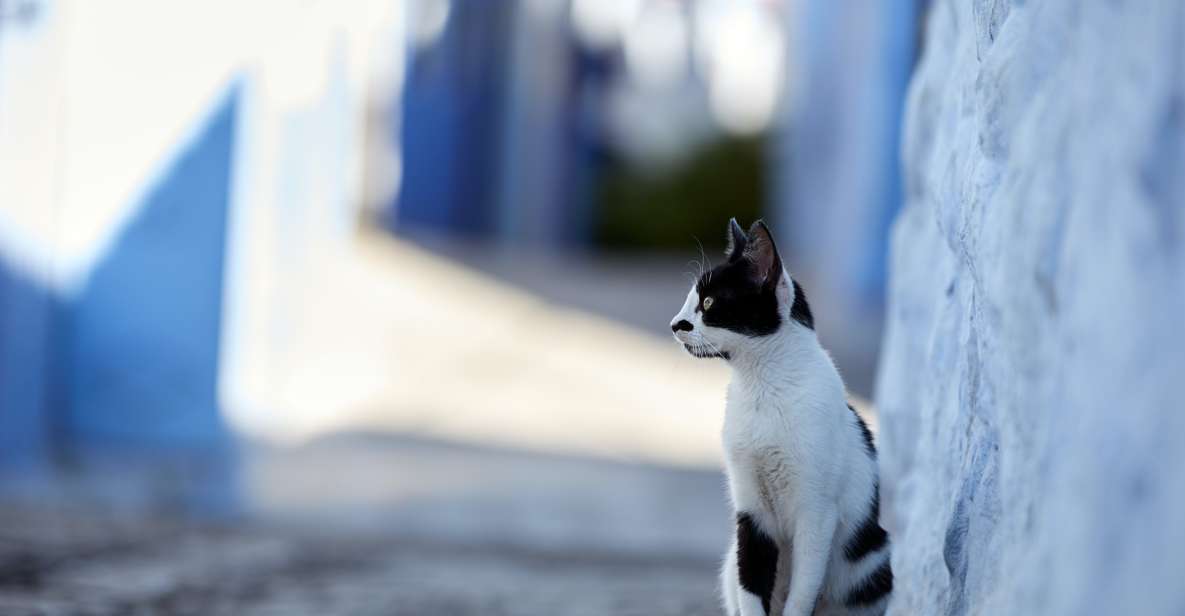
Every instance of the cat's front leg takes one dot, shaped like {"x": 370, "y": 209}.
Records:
{"x": 814, "y": 531}
{"x": 756, "y": 564}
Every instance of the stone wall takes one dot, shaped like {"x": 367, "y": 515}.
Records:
{"x": 1033, "y": 428}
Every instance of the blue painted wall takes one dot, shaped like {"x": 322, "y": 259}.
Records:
{"x": 142, "y": 338}
{"x": 26, "y": 314}
{"x": 838, "y": 185}
{"x": 126, "y": 369}
{"x": 451, "y": 119}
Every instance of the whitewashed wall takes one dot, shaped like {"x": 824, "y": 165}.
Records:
{"x": 100, "y": 103}
{"x": 1031, "y": 387}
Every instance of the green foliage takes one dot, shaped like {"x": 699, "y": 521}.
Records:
{"x": 669, "y": 209}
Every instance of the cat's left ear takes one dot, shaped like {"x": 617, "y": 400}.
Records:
{"x": 761, "y": 251}
{"x": 738, "y": 242}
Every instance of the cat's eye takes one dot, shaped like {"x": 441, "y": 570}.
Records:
{"x": 707, "y": 303}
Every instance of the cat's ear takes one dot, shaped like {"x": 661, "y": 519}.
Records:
{"x": 761, "y": 251}
{"x": 737, "y": 240}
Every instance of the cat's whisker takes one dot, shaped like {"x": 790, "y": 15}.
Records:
{"x": 715, "y": 349}
{"x": 704, "y": 261}
{"x": 693, "y": 276}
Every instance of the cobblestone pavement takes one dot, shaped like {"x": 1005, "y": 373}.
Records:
{"x": 336, "y": 556}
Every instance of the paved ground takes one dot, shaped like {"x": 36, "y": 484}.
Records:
{"x": 161, "y": 567}
{"x": 614, "y": 538}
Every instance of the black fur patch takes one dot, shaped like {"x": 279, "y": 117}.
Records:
{"x": 869, "y": 537}
{"x": 801, "y": 311}
{"x": 874, "y": 587}
{"x": 865, "y": 432}
{"x": 739, "y": 302}
{"x": 744, "y": 293}
{"x": 757, "y": 559}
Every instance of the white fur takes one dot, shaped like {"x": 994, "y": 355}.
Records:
{"x": 795, "y": 461}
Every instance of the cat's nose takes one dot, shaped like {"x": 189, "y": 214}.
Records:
{"x": 682, "y": 325}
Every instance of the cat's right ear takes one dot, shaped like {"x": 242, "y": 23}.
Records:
{"x": 738, "y": 241}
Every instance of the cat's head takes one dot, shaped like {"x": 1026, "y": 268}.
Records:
{"x": 747, "y": 298}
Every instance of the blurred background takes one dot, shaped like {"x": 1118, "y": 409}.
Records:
{"x": 309, "y": 303}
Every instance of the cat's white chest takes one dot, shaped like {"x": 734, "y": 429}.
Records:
{"x": 760, "y": 457}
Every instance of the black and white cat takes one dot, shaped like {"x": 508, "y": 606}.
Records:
{"x": 801, "y": 464}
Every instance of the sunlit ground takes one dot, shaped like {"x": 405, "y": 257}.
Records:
{"x": 389, "y": 337}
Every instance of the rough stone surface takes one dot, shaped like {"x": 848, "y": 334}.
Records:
{"x": 102, "y": 568}
{"x": 1030, "y": 394}
{"x": 370, "y": 524}
{"x": 71, "y": 564}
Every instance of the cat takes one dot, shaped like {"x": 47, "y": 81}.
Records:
{"x": 801, "y": 464}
